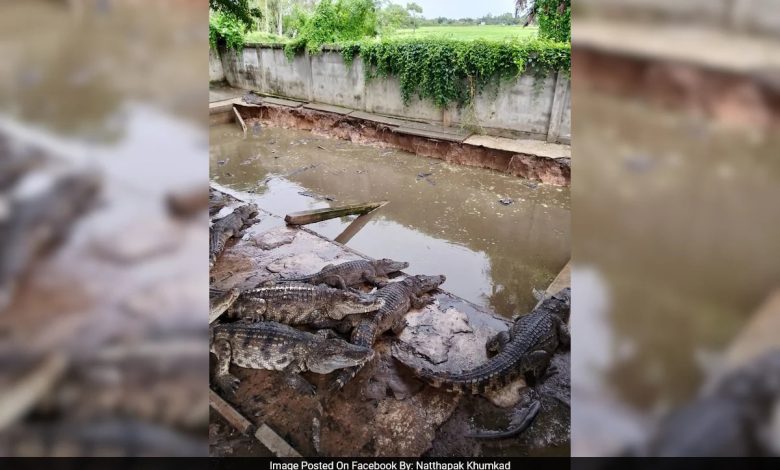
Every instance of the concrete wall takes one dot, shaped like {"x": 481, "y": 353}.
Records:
{"x": 522, "y": 108}
{"x": 753, "y": 16}
{"x": 216, "y": 74}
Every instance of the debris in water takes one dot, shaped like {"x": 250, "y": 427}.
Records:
{"x": 423, "y": 175}
{"x": 221, "y": 162}
{"x": 316, "y": 196}
{"x": 229, "y": 174}
{"x": 301, "y": 170}
{"x": 531, "y": 184}
{"x": 506, "y": 201}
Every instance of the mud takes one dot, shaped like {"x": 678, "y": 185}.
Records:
{"x": 365, "y": 132}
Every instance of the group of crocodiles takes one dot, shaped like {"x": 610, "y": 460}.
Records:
{"x": 263, "y": 332}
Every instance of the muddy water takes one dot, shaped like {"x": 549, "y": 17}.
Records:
{"x": 442, "y": 218}
{"x": 677, "y": 233}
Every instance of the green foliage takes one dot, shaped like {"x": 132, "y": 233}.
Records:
{"x": 335, "y": 21}
{"x": 238, "y": 9}
{"x": 449, "y": 71}
{"x": 554, "y": 17}
{"x": 226, "y": 30}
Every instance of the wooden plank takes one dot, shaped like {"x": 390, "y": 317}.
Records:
{"x": 318, "y": 215}
{"x": 240, "y": 120}
{"x": 21, "y": 397}
{"x": 267, "y": 436}
{"x": 327, "y": 108}
{"x": 430, "y": 134}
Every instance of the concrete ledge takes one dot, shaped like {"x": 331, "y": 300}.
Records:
{"x": 282, "y": 102}
{"x": 528, "y": 147}
{"x": 328, "y": 108}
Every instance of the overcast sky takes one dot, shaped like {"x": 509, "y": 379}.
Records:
{"x": 462, "y": 8}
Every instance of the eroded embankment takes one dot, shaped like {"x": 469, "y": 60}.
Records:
{"x": 556, "y": 171}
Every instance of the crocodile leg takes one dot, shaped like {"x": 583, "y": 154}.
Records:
{"x": 224, "y": 380}
{"x": 536, "y": 363}
{"x": 496, "y": 343}
{"x": 399, "y": 326}
{"x": 293, "y": 378}
{"x": 421, "y": 301}
{"x": 564, "y": 335}
{"x": 334, "y": 280}
{"x": 372, "y": 279}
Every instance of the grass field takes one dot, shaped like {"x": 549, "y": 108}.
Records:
{"x": 468, "y": 33}
{"x": 465, "y": 33}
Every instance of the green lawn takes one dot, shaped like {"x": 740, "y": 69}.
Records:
{"x": 468, "y": 33}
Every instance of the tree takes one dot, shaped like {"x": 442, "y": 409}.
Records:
{"x": 240, "y": 9}
{"x": 393, "y": 17}
{"x": 415, "y": 13}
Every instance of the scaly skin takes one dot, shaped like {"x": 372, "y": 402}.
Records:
{"x": 228, "y": 227}
{"x": 301, "y": 304}
{"x": 353, "y": 273}
{"x": 526, "y": 348}
{"x": 399, "y": 298}
{"x": 273, "y": 346}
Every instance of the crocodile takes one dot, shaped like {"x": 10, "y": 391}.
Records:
{"x": 399, "y": 298}
{"x": 295, "y": 303}
{"x": 37, "y": 216}
{"x": 274, "y": 346}
{"x": 526, "y": 348}
{"x": 229, "y": 226}
{"x": 735, "y": 416}
{"x": 353, "y": 273}
{"x": 220, "y": 302}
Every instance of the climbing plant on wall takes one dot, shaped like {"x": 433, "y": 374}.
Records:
{"x": 554, "y": 17}
{"x": 449, "y": 71}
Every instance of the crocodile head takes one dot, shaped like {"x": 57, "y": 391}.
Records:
{"x": 386, "y": 266}
{"x": 559, "y": 303}
{"x": 350, "y": 303}
{"x": 421, "y": 284}
{"x": 332, "y": 354}
{"x": 247, "y": 211}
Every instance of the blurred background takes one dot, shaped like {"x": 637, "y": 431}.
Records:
{"x": 676, "y": 229}
{"x": 103, "y": 177}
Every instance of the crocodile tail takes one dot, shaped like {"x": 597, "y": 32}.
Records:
{"x": 514, "y": 430}
{"x": 475, "y": 381}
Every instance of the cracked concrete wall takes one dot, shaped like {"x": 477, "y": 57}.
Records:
{"x": 216, "y": 74}
{"x": 526, "y": 107}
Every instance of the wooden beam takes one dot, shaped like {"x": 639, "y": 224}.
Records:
{"x": 240, "y": 120}
{"x": 267, "y": 436}
{"x": 318, "y": 215}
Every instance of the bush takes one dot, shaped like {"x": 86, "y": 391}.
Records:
{"x": 226, "y": 30}
{"x": 334, "y": 21}
{"x": 449, "y": 71}
{"x": 554, "y": 17}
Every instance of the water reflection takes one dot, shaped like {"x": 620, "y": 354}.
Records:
{"x": 442, "y": 218}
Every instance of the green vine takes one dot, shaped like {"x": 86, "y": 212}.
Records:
{"x": 449, "y": 71}
{"x": 226, "y": 30}
{"x": 554, "y": 18}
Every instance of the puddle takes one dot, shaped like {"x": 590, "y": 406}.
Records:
{"x": 442, "y": 218}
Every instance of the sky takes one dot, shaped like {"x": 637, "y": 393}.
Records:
{"x": 462, "y": 8}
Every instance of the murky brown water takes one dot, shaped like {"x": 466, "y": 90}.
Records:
{"x": 442, "y": 218}
{"x": 676, "y": 235}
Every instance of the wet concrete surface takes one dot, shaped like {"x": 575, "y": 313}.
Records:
{"x": 443, "y": 218}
